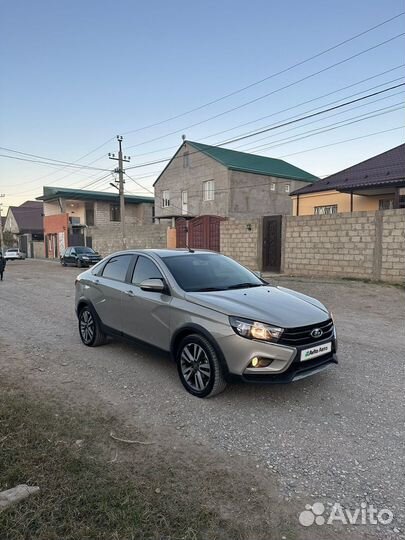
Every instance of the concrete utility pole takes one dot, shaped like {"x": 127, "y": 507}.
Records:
{"x": 1, "y": 226}
{"x": 120, "y": 170}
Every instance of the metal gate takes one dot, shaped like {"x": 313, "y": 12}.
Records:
{"x": 200, "y": 233}
{"x": 272, "y": 243}
{"x": 181, "y": 232}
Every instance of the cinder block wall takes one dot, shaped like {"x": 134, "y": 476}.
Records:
{"x": 241, "y": 239}
{"x": 360, "y": 245}
{"x": 107, "y": 239}
{"x": 365, "y": 245}
{"x": 393, "y": 246}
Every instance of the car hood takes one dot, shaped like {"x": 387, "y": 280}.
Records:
{"x": 273, "y": 305}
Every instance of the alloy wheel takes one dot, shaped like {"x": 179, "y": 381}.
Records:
{"x": 195, "y": 367}
{"x": 87, "y": 326}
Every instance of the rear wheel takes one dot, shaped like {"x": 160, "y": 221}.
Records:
{"x": 90, "y": 329}
{"x": 199, "y": 368}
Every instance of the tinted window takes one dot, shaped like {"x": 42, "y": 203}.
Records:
{"x": 145, "y": 269}
{"x": 117, "y": 267}
{"x": 207, "y": 271}
{"x": 67, "y": 253}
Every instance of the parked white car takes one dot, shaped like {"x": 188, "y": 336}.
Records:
{"x": 14, "y": 253}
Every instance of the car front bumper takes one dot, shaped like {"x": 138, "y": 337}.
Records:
{"x": 286, "y": 364}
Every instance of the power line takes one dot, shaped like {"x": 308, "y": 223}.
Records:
{"x": 273, "y": 127}
{"x": 254, "y": 148}
{"x": 327, "y": 68}
{"x": 285, "y": 70}
{"x": 296, "y": 106}
{"x": 341, "y": 142}
{"x": 55, "y": 163}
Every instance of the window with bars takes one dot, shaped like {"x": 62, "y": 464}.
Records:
{"x": 322, "y": 210}
{"x": 209, "y": 190}
{"x": 386, "y": 204}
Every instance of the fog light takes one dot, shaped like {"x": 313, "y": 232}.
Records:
{"x": 257, "y": 362}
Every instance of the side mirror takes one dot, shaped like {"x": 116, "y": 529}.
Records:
{"x": 153, "y": 285}
{"x": 258, "y": 274}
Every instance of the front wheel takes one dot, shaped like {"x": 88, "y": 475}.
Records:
{"x": 90, "y": 329}
{"x": 199, "y": 368}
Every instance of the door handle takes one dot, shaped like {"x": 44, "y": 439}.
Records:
{"x": 130, "y": 293}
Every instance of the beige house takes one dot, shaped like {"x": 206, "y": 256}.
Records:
{"x": 375, "y": 184}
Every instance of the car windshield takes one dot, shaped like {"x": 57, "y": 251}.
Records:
{"x": 83, "y": 250}
{"x": 205, "y": 272}
{"x": 13, "y": 250}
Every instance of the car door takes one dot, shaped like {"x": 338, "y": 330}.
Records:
{"x": 66, "y": 256}
{"x": 108, "y": 288}
{"x": 146, "y": 314}
{"x": 72, "y": 256}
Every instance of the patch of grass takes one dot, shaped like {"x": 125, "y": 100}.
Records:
{"x": 83, "y": 494}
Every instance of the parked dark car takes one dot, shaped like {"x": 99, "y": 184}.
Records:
{"x": 79, "y": 256}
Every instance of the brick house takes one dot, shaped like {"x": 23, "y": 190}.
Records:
{"x": 25, "y": 223}
{"x": 377, "y": 183}
{"x": 209, "y": 180}
{"x": 92, "y": 218}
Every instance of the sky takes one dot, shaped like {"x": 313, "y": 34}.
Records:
{"x": 74, "y": 74}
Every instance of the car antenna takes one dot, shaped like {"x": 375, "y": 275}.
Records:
{"x": 189, "y": 249}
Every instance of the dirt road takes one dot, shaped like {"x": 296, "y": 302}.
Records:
{"x": 337, "y": 437}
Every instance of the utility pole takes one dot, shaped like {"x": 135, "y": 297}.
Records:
{"x": 2, "y": 195}
{"x": 120, "y": 170}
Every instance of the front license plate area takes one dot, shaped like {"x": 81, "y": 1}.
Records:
{"x": 315, "y": 351}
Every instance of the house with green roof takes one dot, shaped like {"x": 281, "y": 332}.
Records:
{"x": 210, "y": 180}
{"x": 78, "y": 217}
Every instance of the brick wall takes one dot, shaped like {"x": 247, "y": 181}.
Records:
{"x": 366, "y": 245}
{"x": 107, "y": 238}
{"x": 241, "y": 239}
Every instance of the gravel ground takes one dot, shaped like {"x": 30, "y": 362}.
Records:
{"x": 335, "y": 437}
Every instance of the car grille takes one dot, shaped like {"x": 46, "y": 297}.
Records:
{"x": 302, "y": 335}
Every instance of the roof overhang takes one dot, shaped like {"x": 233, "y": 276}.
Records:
{"x": 53, "y": 194}
{"x": 376, "y": 188}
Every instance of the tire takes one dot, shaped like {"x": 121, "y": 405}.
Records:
{"x": 90, "y": 329}
{"x": 199, "y": 367}
{"x": 79, "y": 263}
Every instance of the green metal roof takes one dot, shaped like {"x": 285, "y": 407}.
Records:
{"x": 242, "y": 161}
{"x": 51, "y": 193}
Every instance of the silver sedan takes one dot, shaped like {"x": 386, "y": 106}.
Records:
{"x": 218, "y": 319}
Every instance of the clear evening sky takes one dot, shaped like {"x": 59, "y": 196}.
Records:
{"x": 75, "y": 73}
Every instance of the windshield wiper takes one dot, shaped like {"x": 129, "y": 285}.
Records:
{"x": 209, "y": 289}
{"x": 245, "y": 285}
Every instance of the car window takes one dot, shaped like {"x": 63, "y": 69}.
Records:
{"x": 84, "y": 250}
{"x": 67, "y": 253}
{"x": 145, "y": 269}
{"x": 206, "y": 271}
{"x": 117, "y": 267}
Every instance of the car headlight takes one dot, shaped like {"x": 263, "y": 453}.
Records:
{"x": 85, "y": 258}
{"x": 255, "y": 330}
